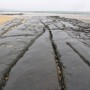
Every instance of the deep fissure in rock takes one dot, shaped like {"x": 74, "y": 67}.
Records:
{"x": 57, "y": 60}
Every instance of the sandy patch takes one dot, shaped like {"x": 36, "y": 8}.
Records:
{"x": 84, "y": 18}
{"x": 5, "y": 18}
{"x": 81, "y": 17}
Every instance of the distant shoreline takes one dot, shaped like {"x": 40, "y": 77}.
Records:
{"x": 56, "y": 12}
{"x": 83, "y": 16}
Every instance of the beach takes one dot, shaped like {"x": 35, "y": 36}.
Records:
{"x": 5, "y": 18}
{"x": 44, "y": 51}
{"x": 82, "y": 17}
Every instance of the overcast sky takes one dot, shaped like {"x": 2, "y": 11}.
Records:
{"x": 46, "y": 5}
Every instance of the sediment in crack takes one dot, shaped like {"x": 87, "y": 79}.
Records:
{"x": 58, "y": 63}
{"x": 57, "y": 60}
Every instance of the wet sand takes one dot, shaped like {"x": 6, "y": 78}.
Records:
{"x": 84, "y": 18}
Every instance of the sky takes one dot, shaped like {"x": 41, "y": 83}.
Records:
{"x": 46, "y": 5}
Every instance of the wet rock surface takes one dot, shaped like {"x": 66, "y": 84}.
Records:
{"x": 45, "y": 53}
{"x": 36, "y": 70}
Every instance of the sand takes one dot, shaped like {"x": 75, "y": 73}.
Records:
{"x": 5, "y": 18}
{"x": 84, "y": 18}
{"x": 81, "y": 17}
